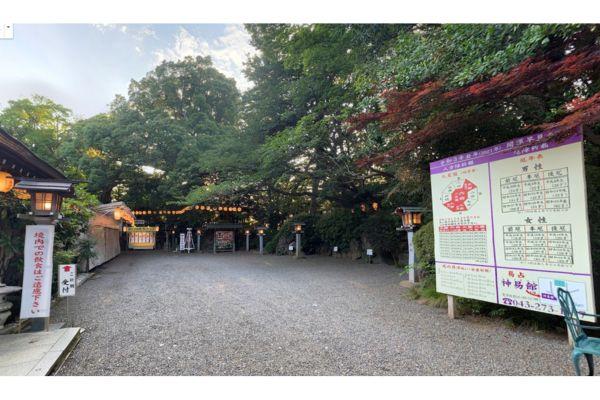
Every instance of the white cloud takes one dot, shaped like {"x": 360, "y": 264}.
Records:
{"x": 228, "y": 52}
{"x": 138, "y": 33}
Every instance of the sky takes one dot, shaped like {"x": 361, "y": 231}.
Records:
{"x": 83, "y": 67}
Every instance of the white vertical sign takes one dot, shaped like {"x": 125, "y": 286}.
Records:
{"x": 67, "y": 275}
{"x": 37, "y": 271}
{"x": 181, "y": 241}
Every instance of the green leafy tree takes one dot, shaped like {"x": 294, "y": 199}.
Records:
{"x": 40, "y": 123}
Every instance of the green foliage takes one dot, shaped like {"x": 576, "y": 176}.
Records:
{"x": 462, "y": 53}
{"x": 338, "y": 228}
{"x": 70, "y": 244}
{"x": 426, "y": 292}
{"x": 424, "y": 244}
{"x": 311, "y": 241}
{"x": 11, "y": 238}
{"x": 40, "y": 123}
{"x": 592, "y": 170}
{"x": 274, "y": 236}
{"x": 379, "y": 229}
{"x": 176, "y": 130}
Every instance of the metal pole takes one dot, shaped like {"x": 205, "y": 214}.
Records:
{"x": 298, "y": 244}
{"x": 247, "y": 242}
{"x": 198, "y": 243}
{"x": 260, "y": 244}
{"x": 412, "y": 276}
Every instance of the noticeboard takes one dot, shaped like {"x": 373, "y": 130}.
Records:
{"x": 224, "y": 240}
{"x": 510, "y": 224}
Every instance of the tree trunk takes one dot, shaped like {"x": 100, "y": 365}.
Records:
{"x": 313, "y": 195}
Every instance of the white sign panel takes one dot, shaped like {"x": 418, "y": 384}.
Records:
{"x": 37, "y": 271}
{"x": 67, "y": 275}
{"x": 510, "y": 224}
{"x": 369, "y": 252}
{"x": 181, "y": 241}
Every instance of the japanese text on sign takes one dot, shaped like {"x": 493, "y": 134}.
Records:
{"x": 67, "y": 276}
{"x": 510, "y": 224}
{"x": 37, "y": 271}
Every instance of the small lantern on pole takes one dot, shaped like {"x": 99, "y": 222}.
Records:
{"x": 247, "y": 233}
{"x": 298, "y": 229}
{"x": 46, "y": 198}
{"x": 261, "y": 233}
{"x": 412, "y": 218}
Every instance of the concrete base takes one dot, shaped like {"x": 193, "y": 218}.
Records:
{"x": 36, "y": 353}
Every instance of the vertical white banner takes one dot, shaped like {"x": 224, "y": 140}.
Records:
{"x": 67, "y": 275}
{"x": 181, "y": 241}
{"x": 37, "y": 271}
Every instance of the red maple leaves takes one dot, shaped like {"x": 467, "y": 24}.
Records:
{"x": 444, "y": 110}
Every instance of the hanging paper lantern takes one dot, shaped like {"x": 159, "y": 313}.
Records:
{"x": 6, "y": 182}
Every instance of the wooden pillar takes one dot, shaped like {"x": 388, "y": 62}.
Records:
{"x": 452, "y": 307}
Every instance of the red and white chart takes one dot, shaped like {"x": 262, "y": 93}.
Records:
{"x": 510, "y": 224}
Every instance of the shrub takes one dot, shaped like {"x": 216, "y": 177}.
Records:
{"x": 11, "y": 239}
{"x": 337, "y": 228}
{"x": 380, "y": 230}
{"x": 424, "y": 244}
{"x": 311, "y": 242}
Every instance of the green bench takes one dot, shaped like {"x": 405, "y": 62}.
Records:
{"x": 582, "y": 344}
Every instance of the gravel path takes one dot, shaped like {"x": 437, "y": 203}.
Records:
{"x": 239, "y": 314}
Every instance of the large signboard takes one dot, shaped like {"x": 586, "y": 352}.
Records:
{"x": 37, "y": 271}
{"x": 224, "y": 240}
{"x": 511, "y": 226}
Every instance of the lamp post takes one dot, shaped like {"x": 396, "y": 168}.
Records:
{"x": 247, "y": 233}
{"x": 261, "y": 233}
{"x": 298, "y": 230}
{"x": 411, "y": 219}
{"x": 46, "y": 201}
